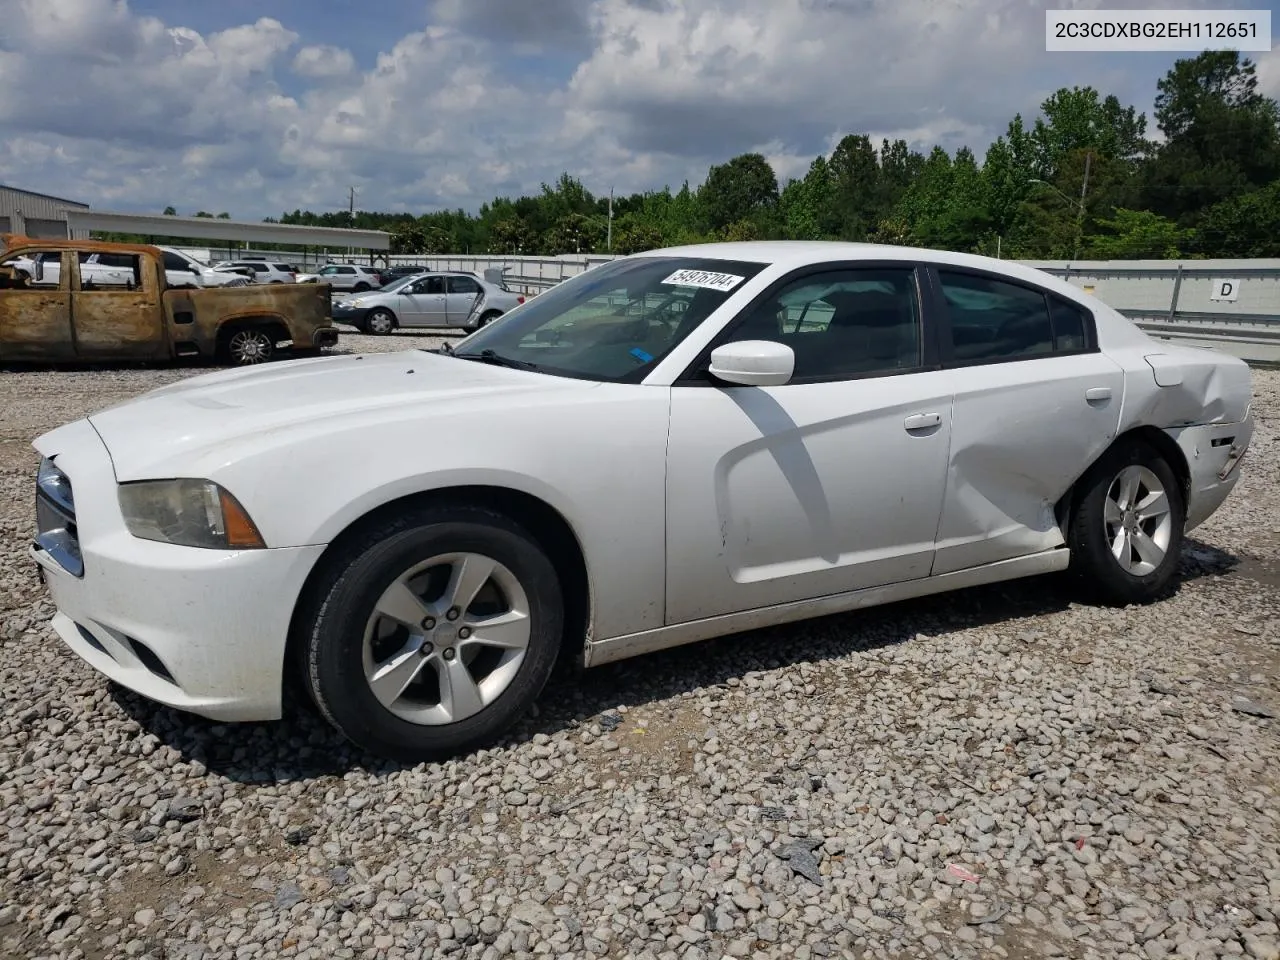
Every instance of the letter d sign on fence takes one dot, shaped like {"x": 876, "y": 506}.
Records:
{"x": 1225, "y": 290}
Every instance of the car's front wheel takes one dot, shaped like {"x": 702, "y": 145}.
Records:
{"x": 1127, "y": 530}
{"x": 380, "y": 321}
{"x": 433, "y": 632}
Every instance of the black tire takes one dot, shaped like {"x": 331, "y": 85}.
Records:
{"x": 1092, "y": 561}
{"x": 372, "y": 318}
{"x": 361, "y": 287}
{"x": 333, "y": 628}
{"x": 487, "y": 318}
{"x": 247, "y": 345}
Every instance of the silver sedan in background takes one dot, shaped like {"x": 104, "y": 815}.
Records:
{"x": 427, "y": 300}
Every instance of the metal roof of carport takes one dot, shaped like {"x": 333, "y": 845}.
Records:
{"x": 245, "y": 231}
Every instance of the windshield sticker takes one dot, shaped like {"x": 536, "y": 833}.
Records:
{"x": 641, "y": 355}
{"x": 723, "y": 282}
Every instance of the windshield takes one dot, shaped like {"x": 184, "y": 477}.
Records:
{"x": 614, "y": 322}
{"x": 396, "y": 284}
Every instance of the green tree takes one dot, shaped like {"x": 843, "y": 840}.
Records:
{"x": 806, "y": 205}
{"x": 893, "y": 230}
{"x": 1221, "y": 136}
{"x": 511, "y": 235}
{"x": 1246, "y": 226}
{"x": 741, "y": 231}
{"x": 1080, "y": 119}
{"x": 855, "y": 176}
{"x": 408, "y": 239}
{"x": 1007, "y": 172}
{"x": 573, "y": 233}
{"x": 1136, "y": 235}
{"x": 745, "y": 188}
{"x": 170, "y": 212}
{"x": 634, "y": 235}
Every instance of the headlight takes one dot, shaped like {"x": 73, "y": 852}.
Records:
{"x": 350, "y": 303}
{"x": 190, "y": 513}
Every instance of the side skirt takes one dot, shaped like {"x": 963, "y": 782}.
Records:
{"x": 636, "y": 644}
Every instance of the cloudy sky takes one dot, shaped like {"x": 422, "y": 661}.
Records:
{"x": 261, "y": 106}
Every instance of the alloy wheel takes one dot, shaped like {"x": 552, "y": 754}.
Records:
{"x": 446, "y": 638}
{"x": 1137, "y": 520}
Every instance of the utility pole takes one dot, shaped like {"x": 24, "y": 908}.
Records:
{"x": 1084, "y": 189}
{"x": 610, "y": 240}
{"x": 351, "y": 212}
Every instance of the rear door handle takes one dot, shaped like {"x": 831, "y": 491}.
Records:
{"x": 923, "y": 421}
{"x": 1097, "y": 394}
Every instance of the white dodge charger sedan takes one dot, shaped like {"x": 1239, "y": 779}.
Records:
{"x": 672, "y": 446}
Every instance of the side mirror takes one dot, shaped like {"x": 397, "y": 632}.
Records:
{"x": 753, "y": 363}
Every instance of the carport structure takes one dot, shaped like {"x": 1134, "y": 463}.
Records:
{"x": 229, "y": 231}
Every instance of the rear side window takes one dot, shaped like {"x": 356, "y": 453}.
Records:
{"x": 122, "y": 261}
{"x": 463, "y": 285}
{"x": 994, "y": 320}
{"x": 174, "y": 262}
{"x": 1071, "y": 328}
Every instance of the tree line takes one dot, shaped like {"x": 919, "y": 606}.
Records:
{"x": 1084, "y": 179}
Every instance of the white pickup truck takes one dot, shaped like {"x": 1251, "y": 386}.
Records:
{"x": 113, "y": 270}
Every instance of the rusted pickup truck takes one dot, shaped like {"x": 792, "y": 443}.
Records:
{"x": 70, "y": 318}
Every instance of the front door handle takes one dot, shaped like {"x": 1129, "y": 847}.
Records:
{"x": 1097, "y": 394}
{"x": 923, "y": 421}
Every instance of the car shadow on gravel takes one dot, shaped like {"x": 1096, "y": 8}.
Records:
{"x": 304, "y": 747}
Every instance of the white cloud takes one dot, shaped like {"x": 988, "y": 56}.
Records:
{"x": 489, "y": 99}
{"x": 323, "y": 62}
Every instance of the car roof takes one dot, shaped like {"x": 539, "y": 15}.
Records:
{"x": 792, "y": 254}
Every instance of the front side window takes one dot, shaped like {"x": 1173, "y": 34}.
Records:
{"x": 328, "y": 271}
{"x": 842, "y": 323}
{"x": 33, "y": 269}
{"x": 615, "y": 321}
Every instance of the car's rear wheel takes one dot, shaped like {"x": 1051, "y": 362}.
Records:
{"x": 380, "y": 321}
{"x": 433, "y": 632}
{"x": 1127, "y": 530}
{"x": 249, "y": 345}
{"x": 487, "y": 318}
{"x": 361, "y": 287}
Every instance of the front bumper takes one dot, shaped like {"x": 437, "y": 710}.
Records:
{"x": 1213, "y": 453}
{"x": 199, "y": 630}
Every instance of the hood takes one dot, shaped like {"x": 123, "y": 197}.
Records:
{"x": 196, "y": 416}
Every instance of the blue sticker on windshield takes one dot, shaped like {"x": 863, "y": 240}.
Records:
{"x": 641, "y": 355}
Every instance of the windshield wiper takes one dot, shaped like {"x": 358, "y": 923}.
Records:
{"x": 489, "y": 356}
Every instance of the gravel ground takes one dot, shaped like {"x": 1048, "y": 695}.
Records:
{"x": 996, "y": 773}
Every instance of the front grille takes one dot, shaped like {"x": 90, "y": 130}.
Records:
{"x": 56, "y": 532}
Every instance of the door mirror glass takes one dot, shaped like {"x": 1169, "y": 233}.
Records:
{"x": 753, "y": 363}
